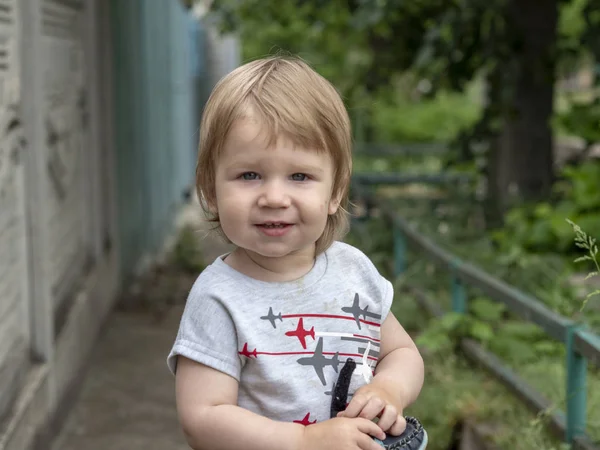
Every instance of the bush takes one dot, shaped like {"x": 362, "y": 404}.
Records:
{"x": 402, "y": 119}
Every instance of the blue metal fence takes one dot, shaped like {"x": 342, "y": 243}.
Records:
{"x": 581, "y": 345}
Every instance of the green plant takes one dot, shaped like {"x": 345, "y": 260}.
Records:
{"x": 588, "y": 243}
{"x": 457, "y": 392}
{"x": 541, "y": 228}
{"x": 399, "y": 118}
{"x": 533, "y": 433}
{"x": 186, "y": 254}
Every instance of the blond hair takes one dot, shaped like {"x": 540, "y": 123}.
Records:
{"x": 289, "y": 99}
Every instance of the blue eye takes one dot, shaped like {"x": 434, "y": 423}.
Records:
{"x": 249, "y": 176}
{"x": 299, "y": 177}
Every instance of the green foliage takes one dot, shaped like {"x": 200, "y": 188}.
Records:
{"x": 400, "y": 118}
{"x": 455, "y": 226}
{"x": 404, "y": 164}
{"x": 440, "y": 335}
{"x": 319, "y": 31}
{"x": 571, "y": 27}
{"x": 582, "y": 119}
{"x": 456, "y": 391}
{"x": 186, "y": 255}
{"x": 490, "y": 324}
{"x": 588, "y": 243}
{"x": 541, "y": 228}
{"x": 365, "y": 46}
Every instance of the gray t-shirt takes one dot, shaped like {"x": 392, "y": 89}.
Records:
{"x": 285, "y": 342}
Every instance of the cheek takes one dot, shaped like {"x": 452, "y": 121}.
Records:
{"x": 232, "y": 205}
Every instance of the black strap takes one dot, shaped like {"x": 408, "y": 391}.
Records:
{"x": 341, "y": 386}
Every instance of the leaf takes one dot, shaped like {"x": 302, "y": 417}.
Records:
{"x": 548, "y": 347}
{"x": 587, "y": 299}
{"x": 512, "y": 349}
{"x": 524, "y": 331}
{"x": 583, "y": 258}
{"x": 487, "y": 310}
{"x": 434, "y": 340}
{"x": 449, "y": 322}
{"x": 481, "y": 331}
{"x": 591, "y": 294}
{"x": 592, "y": 274}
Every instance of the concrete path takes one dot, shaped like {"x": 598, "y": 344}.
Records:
{"x": 127, "y": 401}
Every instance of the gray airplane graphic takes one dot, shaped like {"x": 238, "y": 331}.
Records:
{"x": 319, "y": 361}
{"x": 357, "y": 311}
{"x": 272, "y": 317}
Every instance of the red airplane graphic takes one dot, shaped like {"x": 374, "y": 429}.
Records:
{"x": 301, "y": 333}
{"x": 305, "y": 421}
{"x": 247, "y": 353}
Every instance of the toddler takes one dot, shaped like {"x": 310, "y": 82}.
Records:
{"x": 268, "y": 327}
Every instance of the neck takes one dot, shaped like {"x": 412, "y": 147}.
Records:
{"x": 273, "y": 269}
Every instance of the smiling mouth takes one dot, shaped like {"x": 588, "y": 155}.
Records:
{"x": 274, "y": 225}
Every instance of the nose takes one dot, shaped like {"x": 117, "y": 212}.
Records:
{"x": 274, "y": 195}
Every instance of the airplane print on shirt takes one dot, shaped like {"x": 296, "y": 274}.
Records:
{"x": 301, "y": 333}
{"x": 319, "y": 359}
{"x": 354, "y": 310}
{"x": 306, "y": 421}
{"x": 272, "y": 317}
{"x": 357, "y": 311}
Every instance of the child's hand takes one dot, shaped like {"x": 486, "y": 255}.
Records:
{"x": 342, "y": 434}
{"x": 371, "y": 401}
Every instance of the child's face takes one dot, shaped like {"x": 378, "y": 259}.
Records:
{"x": 272, "y": 201}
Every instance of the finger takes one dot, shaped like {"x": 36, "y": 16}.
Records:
{"x": 373, "y": 408}
{"x": 399, "y": 426}
{"x": 366, "y": 442}
{"x": 355, "y": 406}
{"x": 370, "y": 428}
{"x": 388, "y": 417}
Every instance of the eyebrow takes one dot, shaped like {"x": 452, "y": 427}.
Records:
{"x": 309, "y": 168}
{"x": 297, "y": 168}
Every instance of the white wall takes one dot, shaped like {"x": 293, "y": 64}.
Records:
{"x": 57, "y": 280}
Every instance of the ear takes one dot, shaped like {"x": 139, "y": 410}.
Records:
{"x": 334, "y": 204}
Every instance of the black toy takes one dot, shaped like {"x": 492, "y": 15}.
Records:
{"x": 413, "y": 438}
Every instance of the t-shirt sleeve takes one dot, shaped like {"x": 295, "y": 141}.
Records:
{"x": 381, "y": 288}
{"x": 387, "y": 297}
{"x": 206, "y": 334}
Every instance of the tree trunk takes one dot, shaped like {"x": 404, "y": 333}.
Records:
{"x": 521, "y": 161}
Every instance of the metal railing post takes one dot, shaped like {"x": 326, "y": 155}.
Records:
{"x": 459, "y": 294}
{"x": 576, "y": 388}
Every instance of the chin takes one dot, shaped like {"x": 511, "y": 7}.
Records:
{"x": 278, "y": 250}
{"x": 272, "y": 252}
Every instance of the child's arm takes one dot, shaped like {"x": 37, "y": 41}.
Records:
{"x": 206, "y": 403}
{"x": 397, "y": 382}
{"x": 400, "y": 369}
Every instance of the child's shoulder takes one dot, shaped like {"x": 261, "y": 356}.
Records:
{"x": 343, "y": 248}
{"x": 349, "y": 256}
{"x": 214, "y": 278}
{"x": 356, "y": 269}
